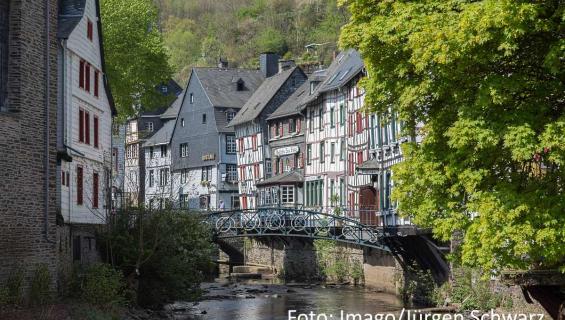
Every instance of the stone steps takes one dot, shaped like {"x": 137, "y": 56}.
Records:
{"x": 252, "y": 269}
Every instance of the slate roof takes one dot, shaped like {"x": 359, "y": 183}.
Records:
{"x": 372, "y": 164}
{"x": 292, "y": 105}
{"x": 70, "y": 13}
{"x": 344, "y": 67}
{"x": 162, "y": 136}
{"x": 173, "y": 111}
{"x": 220, "y": 85}
{"x": 293, "y": 177}
{"x": 268, "y": 89}
{"x": 221, "y": 116}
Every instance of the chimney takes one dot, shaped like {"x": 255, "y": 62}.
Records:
{"x": 286, "y": 64}
{"x": 222, "y": 63}
{"x": 268, "y": 63}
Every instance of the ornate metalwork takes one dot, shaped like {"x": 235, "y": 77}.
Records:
{"x": 290, "y": 222}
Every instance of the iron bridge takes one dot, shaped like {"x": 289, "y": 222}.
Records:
{"x": 288, "y": 222}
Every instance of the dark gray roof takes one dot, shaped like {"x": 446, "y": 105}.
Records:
{"x": 292, "y": 177}
{"x": 292, "y": 105}
{"x": 219, "y": 85}
{"x": 70, "y": 13}
{"x": 173, "y": 111}
{"x": 162, "y": 136}
{"x": 268, "y": 89}
{"x": 344, "y": 67}
{"x": 221, "y": 116}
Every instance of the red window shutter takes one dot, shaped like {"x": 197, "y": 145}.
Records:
{"x": 81, "y": 125}
{"x": 87, "y": 127}
{"x": 359, "y": 157}
{"x": 95, "y": 131}
{"x": 81, "y": 74}
{"x": 87, "y": 77}
{"x": 359, "y": 122}
{"x": 351, "y": 163}
{"x": 298, "y": 125}
{"x": 95, "y": 190}
{"x": 96, "y": 76}
{"x": 89, "y": 30}
{"x": 79, "y": 185}
{"x": 244, "y": 202}
{"x": 254, "y": 142}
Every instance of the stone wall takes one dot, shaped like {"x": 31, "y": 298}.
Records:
{"x": 297, "y": 259}
{"x": 23, "y": 242}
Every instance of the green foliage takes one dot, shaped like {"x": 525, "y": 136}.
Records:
{"x": 40, "y": 293}
{"x": 102, "y": 285}
{"x": 11, "y": 293}
{"x": 198, "y": 32}
{"x": 471, "y": 292}
{"x": 335, "y": 262}
{"x": 167, "y": 252}
{"x": 136, "y": 59}
{"x": 418, "y": 286}
{"x": 486, "y": 80}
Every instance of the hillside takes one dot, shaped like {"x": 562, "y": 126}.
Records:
{"x": 198, "y": 32}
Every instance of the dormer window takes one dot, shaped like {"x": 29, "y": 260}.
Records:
{"x": 230, "y": 115}
{"x": 240, "y": 85}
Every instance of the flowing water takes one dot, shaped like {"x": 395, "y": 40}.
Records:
{"x": 257, "y": 300}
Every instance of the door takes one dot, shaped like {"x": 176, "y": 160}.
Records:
{"x": 368, "y": 205}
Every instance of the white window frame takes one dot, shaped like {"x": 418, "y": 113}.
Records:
{"x": 287, "y": 194}
{"x": 183, "y": 150}
{"x": 231, "y": 145}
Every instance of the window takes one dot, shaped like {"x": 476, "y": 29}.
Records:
{"x": 287, "y": 194}
{"x": 342, "y": 150}
{"x": 4, "y": 36}
{"x": 184, "y": 176}
{"x": 149, "y": 127}
{"x": 207, "y": 173}
{"x": 268, "y": 167}
{"x": 341, "y": 115}
{"x": 322, "y": 152}
{"x": 332, "y": 117}
{"x": 182, "y": 122}
{"x": 87, "y": 77}
{"x": 151, "y": 153}
{"x": 231, "y": 172}
{"x": 183, "y": 201}
{"x": 81, "y": 74}
{"x": 230, "y": 115}
{"x": 359, "y": 157}
{"x": 292, "y": 126}
{"x": 240, "y": 85}
{"x": 204, "y": 118}
{"x": 95, "y": 131}
{"x": 87, "y": 127}
{"x": 235, "y": 202}
{"x": 115, "y": 154}
{"x": 309, "y": 154}
{"x": 96, "y": 85}
{"x": 95, "y": 189}
{"x": 254, "y": 142}
{"x": 183, "y": 150}
{"x": 89, "y": 29}
{"x": 151, "y": 178}
{"x": 164, "y": 89}
{"x": 163, "y": 150}
{"x": 81, "y": 125}
{"x": 311, "y": 121}
{"x": 191, "y": 98}
{"x": 230, "y": 144}
{"x": 332, "y": 152}
{"x": 341, "y": 191}
{"x": 163, "y": 177}
{"x": 63, "y": 177}
{"x": 80, "y": 180}
{"x": 321, "y": 118}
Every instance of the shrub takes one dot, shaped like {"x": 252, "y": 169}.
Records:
{"x": 40, "y": 293}
{"x": 103, "y": 285}
{"x": 419, "y": 286}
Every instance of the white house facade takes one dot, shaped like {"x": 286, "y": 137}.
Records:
{"x": 86, "y": 116}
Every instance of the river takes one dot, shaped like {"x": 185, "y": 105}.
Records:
{"x": 254, "y": 300}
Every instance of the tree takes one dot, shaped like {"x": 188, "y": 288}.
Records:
{"x": 136, "y": 59}
{"x": 485, "y": 78}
